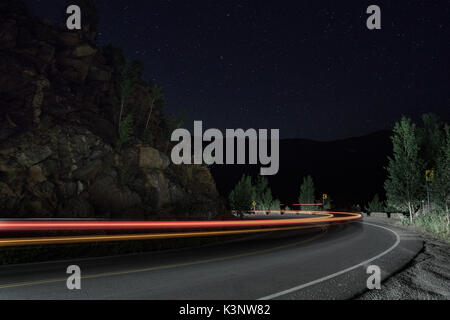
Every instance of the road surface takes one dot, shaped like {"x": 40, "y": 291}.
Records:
{"x": 320, "y": 263}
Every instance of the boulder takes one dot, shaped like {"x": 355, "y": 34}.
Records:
{"x": 107, "y": 197}
{"x": 157, "y": 182}
{"x": 177, "y": 194}
{"x": 150, "y": 158}
{"x": 84, "y": 50}
{"x": 37, "y": 175}
{"x": 33, "y": 155}
{"x": 89, "y": 171}
{"x": 75, "y": 70}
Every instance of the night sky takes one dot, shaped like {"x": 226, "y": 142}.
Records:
{"x": 310, "y": 68}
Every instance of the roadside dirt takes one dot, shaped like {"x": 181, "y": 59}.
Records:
{"x": 427, "y": 277}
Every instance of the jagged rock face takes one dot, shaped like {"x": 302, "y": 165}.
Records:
{"x": 57, "y": 128}
{"x": 48, "y": 72}
{"x": 69, "y": 172}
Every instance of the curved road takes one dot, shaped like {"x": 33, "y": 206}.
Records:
{"x": 319, "y": 263}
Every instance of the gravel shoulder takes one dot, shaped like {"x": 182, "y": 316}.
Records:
{"x": 427, "y": 277}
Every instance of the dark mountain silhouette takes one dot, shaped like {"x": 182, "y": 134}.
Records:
{"x": 350, "y": 171}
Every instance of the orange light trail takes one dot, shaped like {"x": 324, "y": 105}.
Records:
{"x": 253, "y": 226}
{"x": 8, "y": 226}
{"x": 14, "y": 242}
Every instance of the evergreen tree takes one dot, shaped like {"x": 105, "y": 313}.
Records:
{"x": 376, "y": 205}
{"x": 307, "y": 193}
{"x": 242, "y": 196}
{"x": 125, "y": 88}
{"x": 263, "y": 194}
{"x": 275, "y": 205}
{"x": 125, "y": 131}
{"x": 404, "y": 186}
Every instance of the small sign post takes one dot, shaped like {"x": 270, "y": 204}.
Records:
{"x": 324, "y": 198}
{"x": 429, "y": 177}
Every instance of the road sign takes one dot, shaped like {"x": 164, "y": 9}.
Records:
{"x": 325, "y": 196}
{"x": 429, "y": 175}
{"x": 254, "y": 204}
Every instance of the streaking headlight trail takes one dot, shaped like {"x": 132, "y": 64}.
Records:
{"x": 184, "y": 229}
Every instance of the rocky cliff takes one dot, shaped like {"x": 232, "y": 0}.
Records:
{"x": 59, "y": 127}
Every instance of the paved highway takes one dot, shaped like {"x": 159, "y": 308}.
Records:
{"x": 317, "y": 263}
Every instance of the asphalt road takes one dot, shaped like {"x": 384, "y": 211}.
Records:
{"x": 320, "y": 263}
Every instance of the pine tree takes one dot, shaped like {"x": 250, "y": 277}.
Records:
{"x": 404, "y": 186}
{"x": 125, "y": 131}
{"x": 242, "y": 196}
{"x": 307, "y": 193}
{"x": 376, "y": 205}
{"x": 263, "y": 194}
{"x": 125, "y": 87}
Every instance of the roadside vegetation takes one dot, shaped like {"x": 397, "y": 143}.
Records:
{"x": 307, "y": 194}
{"x": 418, "y": 182}
{"x": 255, "y": 194}
{"x": 252, "y": 194}
{"x": 376, "y": 205}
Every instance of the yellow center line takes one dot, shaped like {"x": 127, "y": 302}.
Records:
{"x": 118, "y": 273}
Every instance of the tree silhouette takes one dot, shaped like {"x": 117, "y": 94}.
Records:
{"x": 406, "y": 171}
{"x": 307, "y": 193}
{"x": 241, "y": 197}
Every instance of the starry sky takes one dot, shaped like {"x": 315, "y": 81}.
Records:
{"x": 309, "y": 68}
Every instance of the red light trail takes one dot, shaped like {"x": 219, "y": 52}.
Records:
{"x": 8, "y": 226}
{"x": 184, "y": 228}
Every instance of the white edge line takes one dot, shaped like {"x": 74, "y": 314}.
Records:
{"x": 331, "y": 276}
